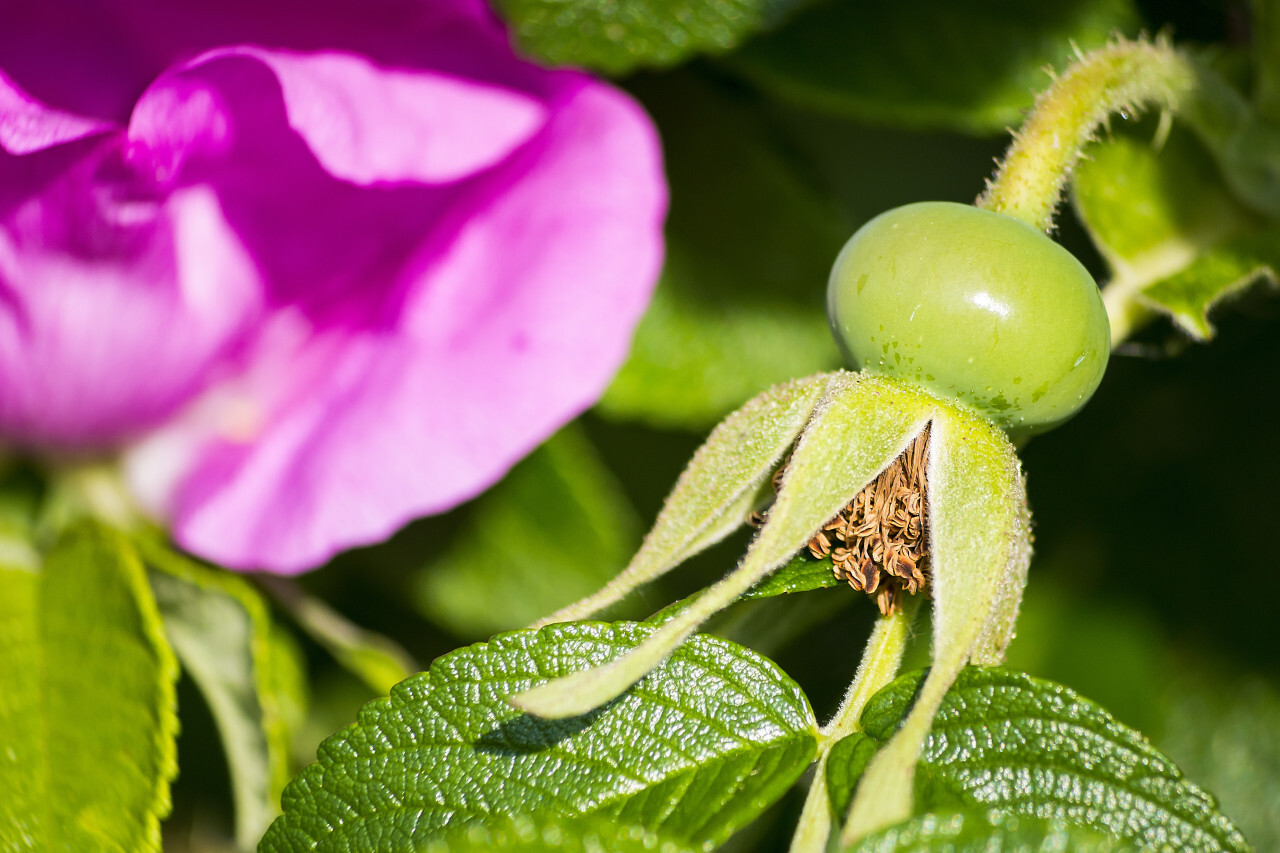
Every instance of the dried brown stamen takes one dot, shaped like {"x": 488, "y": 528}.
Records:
{"x": 879, "y": 542}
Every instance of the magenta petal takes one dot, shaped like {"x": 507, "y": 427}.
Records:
{"x": 26, "y": 125}
{"x": 113, "y": 302}
{"x": 510, "y": 327}
{"x": 368, "y": 124}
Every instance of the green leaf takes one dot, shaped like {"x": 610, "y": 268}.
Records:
{"x": 222, "y": 633}
{"x": 1189, "y": 295}
{"x": 1169, "y": 228}
{"x": 992, "y": 832}
{"x": 619, "y": 36}
{"x": 742, "y": 300}
{"x": 543, "y": 834}
{"x": 557, "y": 528}
{"x": 846, "y": 762}
{"x": 694, "y": 751}
{"x": 801, "y": 574}
{"x": 1005, "y": 740}
{"x": 972, "y": 66}
{"x": 87, "y": 714}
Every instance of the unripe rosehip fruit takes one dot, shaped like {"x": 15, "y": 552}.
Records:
{"x": 975, "y": 306}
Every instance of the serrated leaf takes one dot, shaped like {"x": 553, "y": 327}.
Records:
{"x": 742, "y": 300}
{"x": 544, "y": 834}
{"x": 693, "y": 752}
{"x": 1169, "y": 228}
{"x": 716, "y": 490}
{"x": 88, "y": 716}
{"x": 972, "y": 66}
{"x": 619, "y": 36}
{"x": 222, "y": 633}
{"x": 556, "y": 528}
{"x": 1005, "y": 740}
{"x": 992, "y": 832}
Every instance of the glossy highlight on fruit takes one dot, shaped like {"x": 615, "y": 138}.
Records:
{"x": 975, "y": 306}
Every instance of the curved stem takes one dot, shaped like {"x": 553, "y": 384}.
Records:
{"x": 880, "y": 663}
{"x": 1120, "y": 78}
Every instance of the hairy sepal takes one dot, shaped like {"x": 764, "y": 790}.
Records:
{"x": 717, "y": 489}
{"x": 859, "y": 427}
{"x": 979, "y": 529}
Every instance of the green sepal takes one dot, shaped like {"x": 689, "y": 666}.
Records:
{"x": 979, "y": 544}
{"x": 860, "y": 426}
{"x": 716, "y": 490}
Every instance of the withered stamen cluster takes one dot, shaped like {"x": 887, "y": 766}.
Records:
{"x": 879, "y": 541}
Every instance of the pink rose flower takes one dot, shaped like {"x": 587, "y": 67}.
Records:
{"x": 313, "y": 268}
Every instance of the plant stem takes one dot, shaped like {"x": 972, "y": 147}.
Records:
{"x": 880, "y": 662}
{"x": 1120, "y": 78}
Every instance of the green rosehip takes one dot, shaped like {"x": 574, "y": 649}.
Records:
{"x": 975, "y": 306}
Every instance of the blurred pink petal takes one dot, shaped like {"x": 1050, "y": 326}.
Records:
{"x": 347, "y": 278}
{"x": 115, "y": 305}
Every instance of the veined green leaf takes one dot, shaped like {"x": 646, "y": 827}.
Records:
{"x": 544, "y": 834}
{"x": 970, "y": 66}
{"x": 801, "y": 573}
{"x": 990, "y": 832}
{"x": 222, "y": 633}
{"x": 717, "y": 489}
{"x": 556, "y": 528}
{"x": 88, "y": 715}
{"x": 618, "y": 36}
{"x": 979, "y": 544}
{"x": 693, "y": 752}
{"x": 1005, "y": 740}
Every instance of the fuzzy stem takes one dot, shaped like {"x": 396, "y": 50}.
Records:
{"x": 1122, "y": 77}
{"x": 880, "y": 663}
